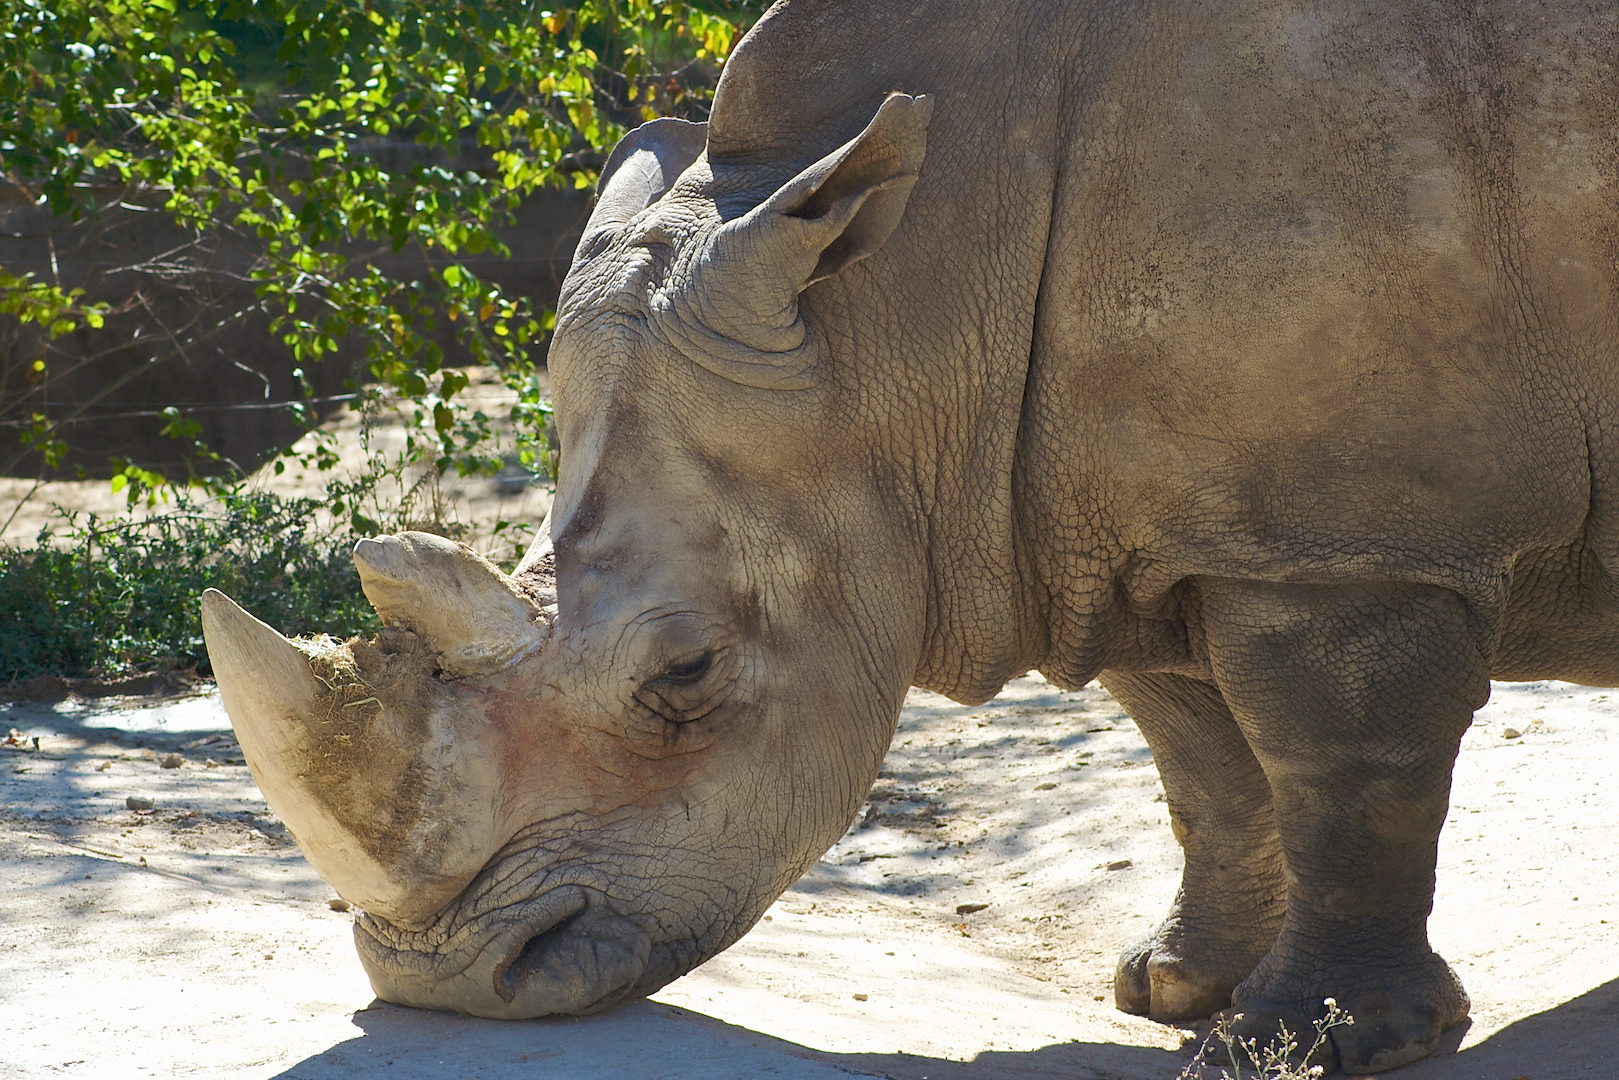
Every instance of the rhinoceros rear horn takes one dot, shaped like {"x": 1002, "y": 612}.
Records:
{"x": 468, "y": 612}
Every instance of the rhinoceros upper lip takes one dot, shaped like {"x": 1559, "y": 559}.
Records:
{"x": 532, "y": 920}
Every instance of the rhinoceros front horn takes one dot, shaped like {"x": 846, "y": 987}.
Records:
{"x": 386, "y": 785}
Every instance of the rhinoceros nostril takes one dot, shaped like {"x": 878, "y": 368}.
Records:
{"x": 529, "y": 962}
{"x": 583, "y": 959}
{"x": 559, "y": 909}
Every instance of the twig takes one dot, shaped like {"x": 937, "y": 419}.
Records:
{"x": 15, "y": 510}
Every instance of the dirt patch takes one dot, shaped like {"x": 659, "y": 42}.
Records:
{"x": 145, "y": 684}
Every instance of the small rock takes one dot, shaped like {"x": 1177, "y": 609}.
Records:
{"x": 1048, "y": 786}
{"x": 968, "y": 909}
{"x": 337, "y": 903}
{"x": 135, "y": 802}
{"x": 209, "y": 763}
{"x": 172, "y": 761}
{"x": 860, "y": 997}
{"x": 1122, "y": 864}
{"x": 104, "y": 766}
{"x": 1512, "y": 733}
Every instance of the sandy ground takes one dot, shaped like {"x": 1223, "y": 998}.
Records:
{"x": 192, "y": 940}
{"x": 473, "y": 503}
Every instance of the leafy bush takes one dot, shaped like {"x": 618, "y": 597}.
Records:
{"x": 103, "y": 598}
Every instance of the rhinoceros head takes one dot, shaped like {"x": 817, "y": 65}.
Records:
{"x": 553, "y": 789}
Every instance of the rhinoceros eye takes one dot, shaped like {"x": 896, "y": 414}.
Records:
{"x": 688, "y": 669}
{"x": 683, "y": 691}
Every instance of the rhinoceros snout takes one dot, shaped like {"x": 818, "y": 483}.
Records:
{"x": 563, "y": 953}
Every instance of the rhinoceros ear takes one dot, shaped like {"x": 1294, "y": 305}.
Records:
{"x": 838, "y": 211}
{"x": 641, "y": 169}
{"x": 852, "y": 199}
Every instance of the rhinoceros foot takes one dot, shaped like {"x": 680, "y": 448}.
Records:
{"x": 1186, "y": 969}
{"x": 1397, "y": 1012}
{"x": 1176, "y": 975}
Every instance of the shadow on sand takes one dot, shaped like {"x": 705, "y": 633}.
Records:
{"x": 647, "y": 1040}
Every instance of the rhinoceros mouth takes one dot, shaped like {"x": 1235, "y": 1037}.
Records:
{"x": 565, "y": 952}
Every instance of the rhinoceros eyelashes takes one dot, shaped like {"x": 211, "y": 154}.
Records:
{"x": 688, "y": 669}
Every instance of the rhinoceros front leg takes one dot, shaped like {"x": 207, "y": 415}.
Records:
{"x": 1229, "y": 908}
{"x": 1354, "y": 700}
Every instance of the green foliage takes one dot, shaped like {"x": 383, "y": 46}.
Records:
{"x": 339, "y": 130}
{"x": 48, "y": 305}
{"x": 103, "y": 597}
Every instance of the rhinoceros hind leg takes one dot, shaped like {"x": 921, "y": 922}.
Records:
{"x": 1354, "y": 699}
{"x": 1229, "y": 908}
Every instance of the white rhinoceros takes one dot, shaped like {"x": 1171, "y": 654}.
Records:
{"x": 1258, "y": 357}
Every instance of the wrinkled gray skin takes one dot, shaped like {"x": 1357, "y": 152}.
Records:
{"x": 1255, "y": 357}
